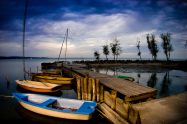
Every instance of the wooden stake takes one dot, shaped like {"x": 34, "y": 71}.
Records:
{"x": 82, "y": 88}
{"x": 97, "y": 89}
{"x": 85, "y": 88}
{"x": 101, "y": 93}
{"x": 78, "y": 88}
{"x": 93, "y": 90}
{"x": 89, "y": 88}
{"x": 113, "y": 96}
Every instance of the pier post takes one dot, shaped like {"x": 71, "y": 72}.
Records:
{"x": 101, "y": 93}
{"x": 97, "y": 89}
{"x": 78, "y": 88}
{"x": 89, "y": 88}
{"x": 94, "y": 89}
{"x": 85, "y": 88}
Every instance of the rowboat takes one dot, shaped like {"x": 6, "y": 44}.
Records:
{"x": 53, "y": 79}
{"x": 52, "y": 71}
{"x": 36, "y": 86}
{"x": 45, "y": 74}
{"x": 125, "y": 77}
{"x": 57, "y": 106}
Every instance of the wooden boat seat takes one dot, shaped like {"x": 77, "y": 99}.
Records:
{"x": 48, "y": 102}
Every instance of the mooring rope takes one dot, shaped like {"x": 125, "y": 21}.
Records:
{"x": 5, "y": 96}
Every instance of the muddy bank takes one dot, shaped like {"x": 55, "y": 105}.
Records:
{"x": 181, "y": 65}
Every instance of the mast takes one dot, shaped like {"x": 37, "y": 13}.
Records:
{"x": 24, "y": 27}
{"x": 66, "y": 43}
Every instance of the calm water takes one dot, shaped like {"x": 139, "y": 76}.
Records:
{"x": 167, "y": 82}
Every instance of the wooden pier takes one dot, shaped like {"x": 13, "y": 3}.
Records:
{"x": 114, "y": 96}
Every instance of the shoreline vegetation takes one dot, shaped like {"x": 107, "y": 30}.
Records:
{"x": 171, "y": 64}
{"x": 181, "y": 65}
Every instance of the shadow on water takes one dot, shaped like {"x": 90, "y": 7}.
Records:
{"x": 138, "y": 77}
{"x": 152, "y": 80}
{"x": 166, "y": 82}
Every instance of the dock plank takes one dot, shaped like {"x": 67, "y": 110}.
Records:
{"x": 126, "y": 88}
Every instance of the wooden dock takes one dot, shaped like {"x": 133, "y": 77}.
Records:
{"x": 114, "y": 96}
{"x": 131, "y": 90}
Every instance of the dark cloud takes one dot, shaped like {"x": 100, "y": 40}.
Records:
{"x": 158, "y": 15}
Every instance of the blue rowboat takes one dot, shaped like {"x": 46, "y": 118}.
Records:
{"x": 57, "y": 106}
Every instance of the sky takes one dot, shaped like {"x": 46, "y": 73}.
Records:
{"x": 91, "y": 24}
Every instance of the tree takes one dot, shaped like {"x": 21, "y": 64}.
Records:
{"x": 139, "y": 52}
{"x": 166, "y": 44}
{"x": 97, "y": 55}
{"x": 106, "y": 51}
{"x": 115, "y": 48}
{"x": 152, "y": 46}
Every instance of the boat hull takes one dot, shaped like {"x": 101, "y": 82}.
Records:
{"x": 56, "y": 106}
{"x": 34, "y": 88}
{"x": 55, "y": 113}
{"x": 55, "y": 80}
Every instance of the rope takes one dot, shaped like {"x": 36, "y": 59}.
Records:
{"x": 61, "y": 49}
{"x": 65, "y": 38}
{"x": 5, "y": 96}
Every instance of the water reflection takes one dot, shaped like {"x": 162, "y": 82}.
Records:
{"x": 166, "y": 82}
{"x": 7, "y": 84}
{"x": 152, "y": 80}
{"x": 138, "y": 77}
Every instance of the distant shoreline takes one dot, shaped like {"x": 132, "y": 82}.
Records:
{"x": 137, "y": 63}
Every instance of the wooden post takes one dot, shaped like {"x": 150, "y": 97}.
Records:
{"x": 30, "y": 75}
{"x": 85, "y": 88}
{"x": 93, "y": 89}
{"x": 97, "y": 89}
{"x": 134, "y": 115}
{"x": 82, "y": 88}
{"x": 89, "y": 88}
{"x": 122, "y": 108}
{"x": 78, "y": 88}
{"x": 113, "y": 96}
{"x": 37, "y": 69}
{"x": 101, "y": 93}
{"x": 111, "y": 114}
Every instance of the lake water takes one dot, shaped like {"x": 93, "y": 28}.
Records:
{"x": 167, "y": 82}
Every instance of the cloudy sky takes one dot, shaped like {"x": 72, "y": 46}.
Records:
{"x": 91, "y": 24}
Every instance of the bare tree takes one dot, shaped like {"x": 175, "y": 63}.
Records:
{"x": 97, "y": 55}
{"x": 106, "y": 51}
{"x": 138, "y": 46}
{"x": 166, "y": 44}
{"x": 152, "y": 46}
{"x": 116, "y": 48}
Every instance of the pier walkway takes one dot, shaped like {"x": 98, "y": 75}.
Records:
{"x": 131, "y": 90}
